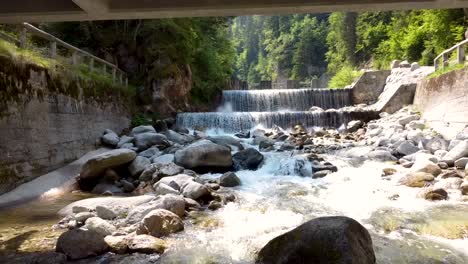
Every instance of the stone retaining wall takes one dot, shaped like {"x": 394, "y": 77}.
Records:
{"x": 443, "y": 102}
{"x": 46, "y": 122}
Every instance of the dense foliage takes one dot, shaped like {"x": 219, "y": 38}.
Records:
{"x": 303, "y": 46}
{"x": 158, "y": 49}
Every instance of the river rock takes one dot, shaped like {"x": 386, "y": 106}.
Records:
{"x": 459, "y": 151}
{"x": 464, "y": 188}
{"x": 147, "y": 244}
{"x": 162, "y": 188}
{"x": 110, "y": 138}
{"x": 405, "y": 120}
{"x": 204, "y": 154}
{"x": 127, "y": 186}
{"x": 415, "y": 135}
{"x": 321, "y": 174}
{"x": 381, "y": 155}
{"x": 416, "y": 124}
{"x": 195, "y": 190}
{"x": 248, "y": 159}
{"x": 178, "y": 138}
{"x": 152, "y": 152}
{"x": 103, "y": 188}
{"x": 145, "y": 140}
{"x": 105, "y": 212}
{"x": 160, "y": 223}
{"x": 449, "y": 183}
{"x": 436, "y": 195}
{"x": 173, "y": 203}
{"x": 97, "y": 165}
{"x": 336, "y": 239}
{"x": 354, "y": 125}
{"x": 142, "y": 129}
{"x": 417, "y": 179}
{"x": 437, "y": 144}
{"x": 422, "y": 165}
{"x": 461, "y": 163}
{"x": 125, "y": 140}
{"x": 117, "y": 244}
{"x": 83, "y": 216}
{"x": 166, "y": 158}
{"x": 453, "y": 143}
{"x": 229, "y": 179}
{"x": 100, "y": 226}
{"x": 227, "y": 141}
{"x": 81, "y": 243}
{"x": 407, "y": 147}
{"x": 138, "y": 165}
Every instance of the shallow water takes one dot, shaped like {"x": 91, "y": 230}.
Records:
{"x": 273, "y": 200}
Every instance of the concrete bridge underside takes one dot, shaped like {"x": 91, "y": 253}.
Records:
{"x": 13, "y": 11}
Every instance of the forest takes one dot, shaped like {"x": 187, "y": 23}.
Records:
{"x": 301, "y": 47}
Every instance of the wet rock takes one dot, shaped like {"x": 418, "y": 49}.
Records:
{"x": 417, "y": 179}
{"x": 80, "y": 243}
{"x": 160, "y": 223}
{"x": 322, "y": 240}
{"x": 99, "y": 226}
{"x": 145, "y": 140}
{"x": 459, "y": 151}
{"x": 407, "y": 147}
{"x": 110, "y": 138}
{"x": 381, "y": 155}
{"x": 321, "y": 174}
{"x": 322, "y": 167}
{"x": 102, "y": 188}
{"x": 147, "y": 244}
{"x": 117, "y": 244}
{"x": 173, "y": 203}
{"x": 405, "y": 120}
{"x": 138, "y": 165}
{"x": 229, "y": 179}
{"x": 105, "y": 212}
{"x": 204, "y": 154}
{"x": 266, "y": 145}
{"x": 316, "y": 109}
{"x": 227, "y": 141}
{"x": 287, "y": 147}
{"x": 97, "y": 165}
{"x": 248, "y": 159}
{"x": 243, "y": 134}
{"x": 436, "y": 195}
{"x": 214, "y": 205}
{"x": 195, "y": 190}
{"x": 142, "y": 129}
{"x": 191, "y": 205}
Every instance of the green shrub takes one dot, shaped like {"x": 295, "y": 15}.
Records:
{"x": 140, "y": 119}
{"x": 344, "y": 77}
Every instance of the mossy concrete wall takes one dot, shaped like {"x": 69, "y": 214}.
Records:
{"x": 443, "y": 102}
{"x": 50, "y": 119}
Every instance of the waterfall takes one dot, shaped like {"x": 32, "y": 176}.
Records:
{"x": 237, "y": 121}
{"x": 286, "y": 99}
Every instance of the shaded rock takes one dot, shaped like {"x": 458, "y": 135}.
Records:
{"x": 145, "y": 140}
{"x": 142, "y": 129}
{"x": 248, "y": 159}
{"x": 322, "y": 167}
{"x": 321, "y": 174}
{"x": 127, "y": 186}
{"x": 335, "y": 239}
{"x": 138, "y": 165}
{"x": 150, "y": 153}
{"x": 99, "y": 226}
{"x": 173, "y": 203}
{"x": 354, "y": 125}
{"x": 111, "y": 176}
{"x": 169, "y": 169}
{"x": 117, "y": 244}
{"x": 417, "y": 179}
{"x": 147, "y": 244}
{"x": 442, "y": 165}
{"x": 97, "y": 165}
{"x": 166, "y": 158}
{"x": 436, "y": 195}
{"x": 105, "y": 212}
{"x": 110, "y": 138}
{"x": 181, "y": 130}
{"x": 125, "y": 140}
{"x": 102, "y": 188}
{"x": 80, "y": 243}
{"x": 407, "y": 147}
{"x": 191, "y": 204}
{"x": 204, "y": 154}
{"x": 160, "y": 223}
{"x": 229, "y": 179}
{"x": 214, "y": 205}
{"x": 243, "y": 134}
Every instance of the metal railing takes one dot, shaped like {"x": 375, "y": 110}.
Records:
{"x": 460, "y": 47}
{"x": 76, "y": 54}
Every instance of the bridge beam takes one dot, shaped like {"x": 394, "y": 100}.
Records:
{"x": 79, "y": 10}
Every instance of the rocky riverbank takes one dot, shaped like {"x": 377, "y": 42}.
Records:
{"x": 158, "y": 184}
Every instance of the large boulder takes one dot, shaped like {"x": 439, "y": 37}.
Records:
{"x": 170, "y": 202}
{"x": 97, "y": 165}
{"x": 204, "y": 155}
{"x": 335, "y": 239}
{"x": 160, "y": 223}
{"x": 145, "y": 140}
{"x": 459, "y": 151}
{"x": 81, "y": 243}
{"x": 248, "y": 159}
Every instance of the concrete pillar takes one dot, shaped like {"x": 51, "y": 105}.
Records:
{"x": 461, "y": 54}
{"x": 23, "y": 38}
{"x": 53, "y": 49}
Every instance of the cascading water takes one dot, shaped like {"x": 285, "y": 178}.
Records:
{"x": 243, "y": 110}
{"x": 286, "y": 99}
